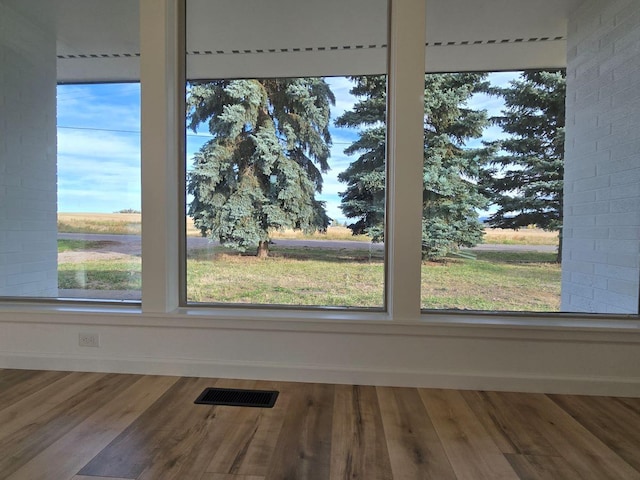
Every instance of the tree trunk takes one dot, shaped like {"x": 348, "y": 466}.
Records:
{"x": 559, "y": 256}
{"x": 263, "y": 249}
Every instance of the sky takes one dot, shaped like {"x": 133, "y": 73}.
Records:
{"x": 99, "y": 145}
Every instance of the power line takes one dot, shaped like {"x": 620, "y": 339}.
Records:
{"x": 137, "y": 132}
{"x": 98, "y": 129}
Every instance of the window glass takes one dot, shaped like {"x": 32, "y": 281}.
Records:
{"x": 99, "y": 220}
{"x": 285, "y": 181}
{"x": 495, "y": 232}
{"x": 492, "y": 195}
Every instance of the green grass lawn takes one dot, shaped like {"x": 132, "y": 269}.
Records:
{"x": 519, "y": 281}
{"x": 79, "y": 245}
{"x": 302, "y": 276}
{"x": 97, "y": 274}
{"x": 100, "y": 275}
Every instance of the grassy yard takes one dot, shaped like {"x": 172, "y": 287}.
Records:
{"x": 523, "y": 281}
{"x": 518, "y": 281}
{"x": 100, "y": 275}
{"x": 79, "y": 245}
{"x": 289, "y": 277}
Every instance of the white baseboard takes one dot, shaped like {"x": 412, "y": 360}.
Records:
{"x": 624, "y": 387}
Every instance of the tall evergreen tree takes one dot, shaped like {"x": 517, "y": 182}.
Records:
{"x": 364, "y": 198}
{"x": 450, "y": 197}
{"x": 264, "y": 164}
{"x": 524, "y": 173}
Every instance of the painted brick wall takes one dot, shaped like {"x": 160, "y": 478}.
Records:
{"x": 601, "y": 254}
{"x": 28, "y": 251}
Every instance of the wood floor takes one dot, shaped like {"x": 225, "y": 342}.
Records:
{"x": 95, "y": 426}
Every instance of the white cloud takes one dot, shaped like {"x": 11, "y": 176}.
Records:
{"x": 502, "y": 79}
{"x": 493, "y": 104}
{"x": 99, "y": 145}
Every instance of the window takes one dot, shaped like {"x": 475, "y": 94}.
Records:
{"x": 268, "y": 176}
{"x": 495, "y": 200}
{"x": 69, "y": 154}
{"x": 478, "y": 176}
{"x": 71, "y": 159}
{"x": 99, "y": 214}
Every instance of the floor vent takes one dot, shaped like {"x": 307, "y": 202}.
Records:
{"x": 237, "y": 397}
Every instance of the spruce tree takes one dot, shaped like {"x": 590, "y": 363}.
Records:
{"x": 524, "y": 173}
{"x": 364, "y": 198}
{"x": 450, "y": 197}
{"x": 264, "y": 165}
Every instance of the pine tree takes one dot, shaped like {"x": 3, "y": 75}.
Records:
{"x": 524, "y": 173}
{"x": 264, "y": 165}
{"x": 450, "y": 196}
{"x": 364, "y": 198}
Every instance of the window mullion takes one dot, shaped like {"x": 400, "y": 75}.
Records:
{"x": 405, "y": 153}
{"x": 161, "y": 92}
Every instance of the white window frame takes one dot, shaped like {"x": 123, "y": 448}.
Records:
{"x": 162, "y": 100}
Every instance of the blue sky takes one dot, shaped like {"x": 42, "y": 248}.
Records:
{"x": 99, "y": 145}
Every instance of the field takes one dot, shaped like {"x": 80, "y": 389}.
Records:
{"x": 129, "y": 223}
{"x": 108, "y": 223}
{"x": 524, "y": 236}
{"x": 489, "y": 280}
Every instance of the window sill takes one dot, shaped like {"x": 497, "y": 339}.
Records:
{"x": 622, "y": 329}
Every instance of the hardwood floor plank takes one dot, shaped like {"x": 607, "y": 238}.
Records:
{"x": 196, "y": 439}
{"x": 83, "y": 477}
{"x": 582, "y": 450}
{"x": 71, "y": 452}
{"x": 538, "y": 467}
{"x": 631, "y": 404}
{"x": 472, "y": 453}
{"x": 415, "y": 450}
{"x": 303, "y": 448}
{"x": 227, "y": 476}
{"x": 7, "y": 375}
{"x": 42, "y": 431}
{"x": 249, "y": 443}
{"x": 26, "y": 410}
{"x": 509, "y": 427}
{"x": 358, "y": 445}
{"x": 18, "y": 384}
{"x": 615, "y": 425}
{"x": 131, "y": 427}
{"x": 158, "y": 429}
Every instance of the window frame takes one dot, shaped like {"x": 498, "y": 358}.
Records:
{"x": 162, "y": 33}
{"x": 401, "y": 299}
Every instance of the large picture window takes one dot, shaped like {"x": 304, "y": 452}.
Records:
{"x": 273, "y": 173}
{"x": 492, "y": 201}
{"x": 297, "y": 185}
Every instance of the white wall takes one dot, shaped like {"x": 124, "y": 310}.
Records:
{"x": 601, "y": 254}
{"x": 574, "y": 356}
{"x": 28, "y": 249}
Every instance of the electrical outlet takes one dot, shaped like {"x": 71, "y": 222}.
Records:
{"x": 88, "y": 340}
